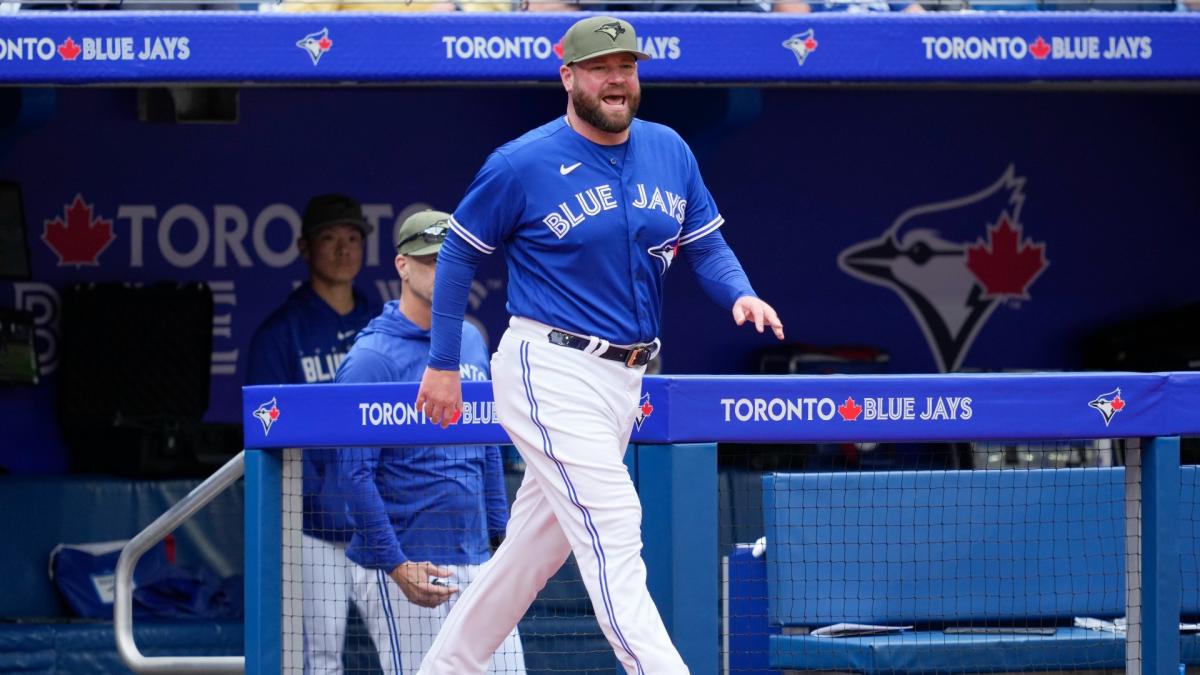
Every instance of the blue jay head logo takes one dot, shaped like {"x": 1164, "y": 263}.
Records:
{"x": 612, "y": 29}
{"x": 666, "y": 252}
{"x": 316, "y": 44}
{"x": 953, "y": 263}
{"x": 801, "y": 45}
{"x": 1108, "y": 405}
{"x": 268, "y": 414}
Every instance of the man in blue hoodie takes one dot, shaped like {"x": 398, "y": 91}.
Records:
{"x": 303, "y": 342}
{"x": 423, "y": 517}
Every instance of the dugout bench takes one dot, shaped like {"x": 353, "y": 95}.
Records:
{"x": 1003, "y": 555}
{"x": 38, "y": 633}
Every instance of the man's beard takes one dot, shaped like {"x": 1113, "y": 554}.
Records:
{"x": 589, "y": 110}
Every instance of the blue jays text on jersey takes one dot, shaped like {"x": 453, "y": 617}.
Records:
{"x": 588, "y": 232}
{"x": 440, "y": 503}
{"x": 600, "y": 198}
{"x": 300, "y": 343}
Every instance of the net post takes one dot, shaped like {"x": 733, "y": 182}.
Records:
{"x": 678, "y": 489}
{"x": 1160, "y": 555}
{"x": 1133, "y": 557}
{"x": 263, "y": 561}
{"x": 292, "y": 559}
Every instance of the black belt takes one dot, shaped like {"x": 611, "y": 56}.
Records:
{"x": 637, "y": 355}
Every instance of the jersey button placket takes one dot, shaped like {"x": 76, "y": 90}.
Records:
{"x": 638, "y": 279}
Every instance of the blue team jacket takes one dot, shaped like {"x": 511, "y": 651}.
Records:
{"x": 437, "y": 504}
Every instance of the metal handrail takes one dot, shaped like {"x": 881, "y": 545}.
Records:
{"x": 145, "y": 540}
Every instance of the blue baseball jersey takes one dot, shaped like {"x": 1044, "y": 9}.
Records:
{"x": 303, "y": 342}
{"x": 589, "y": 230}
{"x": 439, "y": 503}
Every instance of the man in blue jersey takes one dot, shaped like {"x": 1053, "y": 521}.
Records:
{"x": 590, "y": 210}
{"x": 303, "y": 342}
{"x": 423, "y": 517}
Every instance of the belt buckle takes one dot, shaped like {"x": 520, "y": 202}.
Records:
{"x": 634, "y": 354}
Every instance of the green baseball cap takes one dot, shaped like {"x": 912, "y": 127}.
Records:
{"x": 422, "y": 233}
{"x": 597, "y": 36}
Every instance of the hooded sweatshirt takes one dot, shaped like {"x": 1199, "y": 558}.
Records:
{"x": 438, "y": 504}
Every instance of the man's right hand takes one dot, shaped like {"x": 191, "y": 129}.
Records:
{"x": 414, "y": 582}
{"x": 440, "y": 396}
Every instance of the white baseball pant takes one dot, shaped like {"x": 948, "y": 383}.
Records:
{"x": 570, "y": 415}
{"x": 326, "y": 577}
{"x": 402, "y": 632}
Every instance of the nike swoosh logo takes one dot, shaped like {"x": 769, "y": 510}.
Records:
{"x": 343, "y": 336}
{"x": 564, "y": 170}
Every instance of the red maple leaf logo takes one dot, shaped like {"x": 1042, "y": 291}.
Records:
{"x": 78, "y": 238}
{"x": 1004, "y": 264}
{"x": 1117, "y": 403}
{"x": 647, "y": 409}
{"x": 810, "y": 44}
{"x": 274, "y": 413}
{"x": 1040, "y": 49}
{"x": 850, "y": 410}
{"x": 325, "y": 43}
{"x": 558, "y": 49}
{"x": 69, "y": 50}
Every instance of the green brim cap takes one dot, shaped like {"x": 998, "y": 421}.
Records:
{"x": 598, "y": 36}
{"x": 422, "y": 233}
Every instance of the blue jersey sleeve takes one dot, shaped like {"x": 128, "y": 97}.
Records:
{"x": 267, "y": 362}
{"x": 702, "y": 217}
{"x": 451, "y": 287}
{"x": 717, "y": 269}
{"x": 486, "y": 216}
{"x": 356, "y": 476}
{"x": 492, "y": 207}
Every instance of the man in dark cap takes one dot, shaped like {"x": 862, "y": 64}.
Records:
{"x": 303, "y": 342}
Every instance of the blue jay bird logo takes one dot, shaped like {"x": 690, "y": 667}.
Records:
{"x": 666, "y": 252}
{"x": 612, "y": 30}
{"x": 953, "y": 263}
{"x": 801, "y": 44}
{"x": 1108, "y": 405}
{"x": 316, "y": 44}
{"x": 268, "y": 414}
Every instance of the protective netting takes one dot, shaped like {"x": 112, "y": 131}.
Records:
{"x": 855, "y": 557}
{"x": 967, "y": 557}
{"x": 344, "y": 612}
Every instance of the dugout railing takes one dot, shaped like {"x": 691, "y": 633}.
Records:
{"x": 674, "y": 449}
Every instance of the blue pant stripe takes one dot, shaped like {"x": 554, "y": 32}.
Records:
{"x": 393, "y": 634}
{"x": 593, "y": 533}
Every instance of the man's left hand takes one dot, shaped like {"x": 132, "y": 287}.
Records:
{"x": 750, "y": 307}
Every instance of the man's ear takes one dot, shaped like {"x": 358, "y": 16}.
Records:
{"x": 302, "y": 246}
{"x": 568, "y": 77}
{"x": 402, "y": 267}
